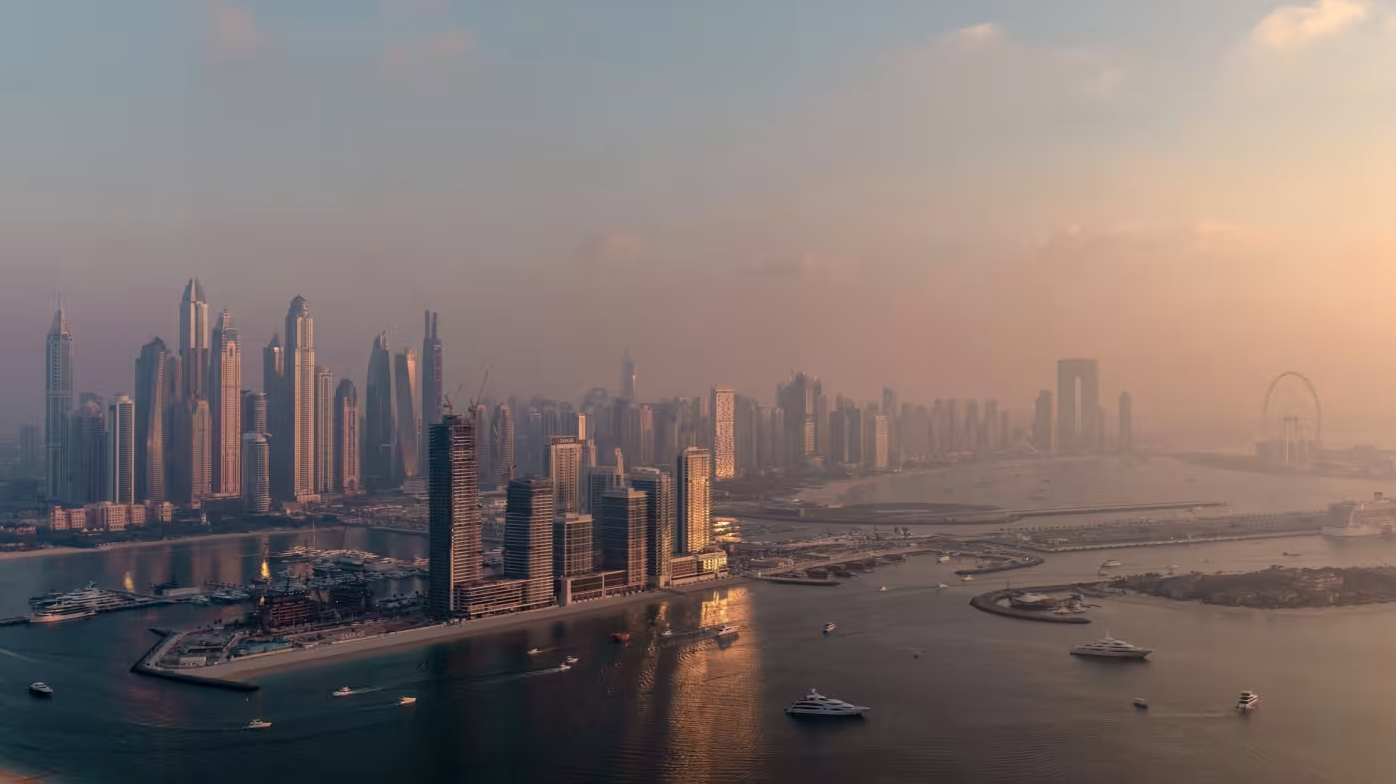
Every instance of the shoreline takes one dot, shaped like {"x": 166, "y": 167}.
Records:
{"x": 52, "y": 551}
{"x": 250, "y": 669}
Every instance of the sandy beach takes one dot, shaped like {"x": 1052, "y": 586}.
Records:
{"x": 50, "y": 551}
{"x": 249, "y": 669}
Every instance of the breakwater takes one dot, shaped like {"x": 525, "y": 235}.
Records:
{"x": 799, "y": 580}
{"x": 142, "y": 667}
{"x": 1006, "y": 566}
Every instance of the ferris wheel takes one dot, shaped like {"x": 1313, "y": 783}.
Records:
{"x": 1291, "y": 419}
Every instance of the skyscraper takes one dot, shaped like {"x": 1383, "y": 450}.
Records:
{"x": 409, "y": 420}
{"x": 621, "y": 520}
{"x": 454, "y": 512}
{"x": 346, "y": 438}
{"x": 1078, "y": 405}
{"x": 1126, "y": 423}
{"x": 627, "y": 376}
{"x": 377, "y": 466}
{"x": 87, "y": 453}
{"x": 658, "y": 488}
{"x": 1042, "y": 422}
{"x": 573, "y": 545}
{"x": 881, "y": 445}
{"x": 225, "y": 406}
{"x": 300, "y": 390}
{"x": 502, "y": 444}
{"x": 694, "y": 531}
{"x": 565, "y": 473}
{"x": 150, "y": 437}
{"x": 724, "y": 407}
{"x": 193, "y": 340}
{"x": 256, "y": 473}
{"x": 528, "y": 538}
{"x": 278, "y": 432}
{"x": 324, "y": 430}
{"x": 189, "y": 434}
{"x": 254, "y": 413}
{"x": 121, "y": 451}
{"x": 433, "y": 380}
{"x": 58, "y": 402}
{"x": 796, "y": 399}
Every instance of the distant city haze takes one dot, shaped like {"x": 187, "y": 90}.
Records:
{"x": 945, "y": 200}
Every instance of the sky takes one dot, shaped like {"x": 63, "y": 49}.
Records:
{"x": 944, "y": 197}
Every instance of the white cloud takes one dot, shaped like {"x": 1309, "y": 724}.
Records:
{"x": 1297, "y": 26}
{"x": 983, "y": 59}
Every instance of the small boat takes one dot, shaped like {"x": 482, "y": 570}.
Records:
{"x": 1291, "y": 555}
{"x": 966, "y": 578}
{"x": 343, "y": 691}
{"x": 534, "y": 652}
{"x": 620, "y": 636}
{"x": 828, "y": 627}
{"x": 942, "y": 585}
{"x": 1140, "y": 702}
{"x": 564, "y": 667}
{"x": 406, "y": 700}
{"x": 1111, "y": 564}
{"x": 40, "y": 689}
{"x": 882, "y": 589}
{"x": 1247, "y": 701}
{"x": 726, "y": 630}
{"x": 257, "y": 724}
{"x": 667, "y": 633}
{"x": 571, "y": 659}
{"x": 943, "y": 559}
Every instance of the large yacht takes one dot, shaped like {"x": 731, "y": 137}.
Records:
{"x": 1247, "y": 701}
{"x": 1351, "y": 519}
{"x": 816, "y": 704}
{"x": 40, "y": 689}
{"x": 57, "y": 613}
{"x": 830, "y": 626}
{"x": 257, "y": 724}
{"x": 1110, "y": 648}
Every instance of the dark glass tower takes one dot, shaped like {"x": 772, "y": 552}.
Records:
{"x": 454, "y": 509}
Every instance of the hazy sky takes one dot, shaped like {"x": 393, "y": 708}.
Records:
{"x": 946, "y": 196}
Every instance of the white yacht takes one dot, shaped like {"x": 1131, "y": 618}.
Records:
{"x": 40, "y": 689}
{"x": 726, "y": 630}
{"x": 534, "y": 652}
{"x": 57, "y": 613}
{"x": 406, "y": 700}
{"x": 966, "y": 578}
{"x": 816, "y": 704}
{"x": 828, "y": 627}
{"x": 257, "y": 724}
{"x": 1110, "y": 648}
{"x": 1247, "y": 701}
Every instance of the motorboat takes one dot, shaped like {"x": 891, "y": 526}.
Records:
{"x": 667, "y": 633}
{"x": 816, "y": 704}
{"x": 1140, "y": 702}
{"x": 257, "y": 724}
{"x": 726, "y": 630}
{"x": 406, "y": 700}
{"x": 620, "y": 636}
{"x": 40, "y": 689}
{"x": 882, "y": 589}
{"x": 1288, "y": 554}
{"x": 943, "y": 559}
{"x": 534, "y": 652}
{"x": 564, "y": 667}
{"x": 571, "y": 660}
{"x": 1110, "y": 648}
{"x": 828, "y": 627}
{"x": 1110, "y": 564}
{"x": 966, "y": 578}
{"x": 1247, "y": 701}
{"x": 343, "y": 691}
{"x": 942, "y": 585}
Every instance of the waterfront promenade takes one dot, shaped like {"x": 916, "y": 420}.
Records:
{"x": 250, "y": 667}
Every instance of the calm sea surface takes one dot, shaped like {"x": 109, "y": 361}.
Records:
{"x": 988, "y": 698}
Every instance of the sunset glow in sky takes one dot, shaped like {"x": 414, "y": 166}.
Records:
{"x": 945, "y": 196}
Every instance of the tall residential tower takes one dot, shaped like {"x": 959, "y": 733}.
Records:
{"x": 58, "y": 401}
{"x": 225, "y": 406}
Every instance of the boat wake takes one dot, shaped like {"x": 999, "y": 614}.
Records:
{"x": 14, "y": 655}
